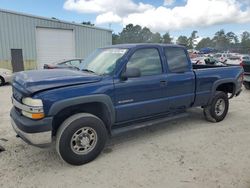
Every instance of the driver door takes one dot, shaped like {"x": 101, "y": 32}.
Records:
{"x": 141, "y": 96}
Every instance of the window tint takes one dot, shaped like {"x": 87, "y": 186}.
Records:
{"x": 147, "y": 60}
{"x": 176, "y": 59}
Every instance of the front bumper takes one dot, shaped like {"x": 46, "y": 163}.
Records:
{"x": 33, "y": 132}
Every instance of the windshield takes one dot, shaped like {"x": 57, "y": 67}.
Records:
{"x": 102, "y": 61}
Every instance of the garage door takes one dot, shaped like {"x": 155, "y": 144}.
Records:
{"x": 54, "y": 45}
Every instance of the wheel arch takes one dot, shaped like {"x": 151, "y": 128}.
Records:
{"x": 225, "y": 85}
{"x": 98, "y": 105}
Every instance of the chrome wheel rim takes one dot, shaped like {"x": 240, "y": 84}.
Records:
{"x": 83, "y": 140}
{"x": 220, "y": 107}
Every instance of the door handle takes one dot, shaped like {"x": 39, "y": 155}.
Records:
{"x": 163, "y": 82}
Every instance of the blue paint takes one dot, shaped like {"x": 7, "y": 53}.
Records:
{"x": 134, "y": 98}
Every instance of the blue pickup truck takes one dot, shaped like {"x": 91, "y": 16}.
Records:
{"x": 119, "y": 88}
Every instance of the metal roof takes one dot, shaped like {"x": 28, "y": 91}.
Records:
{"x": 51, "y": 19}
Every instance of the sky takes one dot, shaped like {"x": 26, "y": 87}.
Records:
{"x": 178, "y": 17}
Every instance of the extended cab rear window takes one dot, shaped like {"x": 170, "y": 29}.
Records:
{"x": 176, "y": 59}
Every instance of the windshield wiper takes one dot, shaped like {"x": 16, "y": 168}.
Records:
{"x": 87, "y": 70}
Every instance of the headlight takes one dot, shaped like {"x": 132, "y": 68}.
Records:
{"x": 35, "y": 110}
{"x": 32, "y": 102}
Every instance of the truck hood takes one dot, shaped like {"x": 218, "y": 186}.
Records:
{"x": 37, "y": 80}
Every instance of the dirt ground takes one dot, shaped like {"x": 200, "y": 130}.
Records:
{"x": 187, "y": 152}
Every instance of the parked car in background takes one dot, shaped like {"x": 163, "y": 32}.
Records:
{"x": 65, "y": 64}
{"x": 5, "y": 76}
{"x": 237, "y": 59}
{"x": 222, "y": 57}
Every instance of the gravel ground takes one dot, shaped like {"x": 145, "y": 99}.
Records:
{"x": 187, "y": 152}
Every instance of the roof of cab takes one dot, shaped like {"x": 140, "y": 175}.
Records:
{"x": 133, "y": 45}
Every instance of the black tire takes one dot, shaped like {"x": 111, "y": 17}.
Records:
{"x": 247, "y": 85}
{"x": 211, "y": 112}
{"x": 2, "y": 81}
{"x": 69, "y": 130}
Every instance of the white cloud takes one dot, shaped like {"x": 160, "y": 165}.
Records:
{"x": 195, "y": 13}
{"x": 120, "y": 8}
{"x": 168, "y": 2}
{"x": 108, "y": 17}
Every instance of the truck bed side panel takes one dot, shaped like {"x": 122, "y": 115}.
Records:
{"x": 207, "y": 80}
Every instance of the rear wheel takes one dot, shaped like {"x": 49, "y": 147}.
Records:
{"x": 2, "y": 81}
{"x": 81, "y": 138}
{"x": 218, "y": 109}
{"x": 247, "y": 85}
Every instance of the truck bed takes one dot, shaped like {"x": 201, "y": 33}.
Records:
{"x": 208, "y": 76}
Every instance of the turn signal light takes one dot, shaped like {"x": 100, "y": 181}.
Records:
{"x": 38, "y": 116}
{"x": 33, "y": 115}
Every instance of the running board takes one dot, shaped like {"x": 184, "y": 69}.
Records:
{"x": 120, "y": 130}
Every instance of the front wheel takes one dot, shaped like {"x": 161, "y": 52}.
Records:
{"x": 218, "y": 109}
{"x": 81, "y": 138}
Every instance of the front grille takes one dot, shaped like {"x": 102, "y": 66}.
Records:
{"x": 16, "y": 94}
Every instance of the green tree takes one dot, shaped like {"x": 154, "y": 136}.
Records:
{"x": 136, "y": 34}
{"x": 221, "y": 41}
{"x": 156, "y": 38}
{"x": 205, "y": 42}
{"x": 182, "y": 40}
{"x": 192, "y": 39}
{"x": 130, "y": 34}
{"x": 232, "y": 37}
{"x": 115, "y": 39}
{"x": 245, "y": 42}
{"x": 166, "y": 38}
{"x": 146, "y": 35}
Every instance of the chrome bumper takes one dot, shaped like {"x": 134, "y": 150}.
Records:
{"x": 41, "y": 139}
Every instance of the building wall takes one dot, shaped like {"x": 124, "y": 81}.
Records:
{"x": 18, "y": 31}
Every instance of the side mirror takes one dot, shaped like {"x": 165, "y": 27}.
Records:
{"x": 131, "y": 72}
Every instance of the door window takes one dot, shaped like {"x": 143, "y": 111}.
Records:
{"x": 147, "y": 61}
